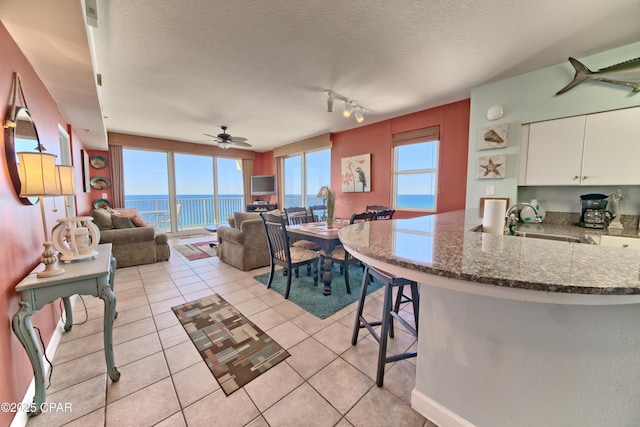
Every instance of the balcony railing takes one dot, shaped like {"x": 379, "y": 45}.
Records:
{"x": 193, "y": 212}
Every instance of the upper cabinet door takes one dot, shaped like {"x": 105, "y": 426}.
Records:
{"x": 555, "y": 152}
{"x": 612, "y": 148}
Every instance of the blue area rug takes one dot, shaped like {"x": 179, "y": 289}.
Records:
{"x": 311, "y": 298}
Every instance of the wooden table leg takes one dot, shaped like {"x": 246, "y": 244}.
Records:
{"x": 68, "y": 314}
{"x": 21, "y": 324}
{"x": 109, "y": 298}
{"x": 326, "y": 274}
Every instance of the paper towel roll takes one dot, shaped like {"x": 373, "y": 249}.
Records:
{"x": 493, "y": 218}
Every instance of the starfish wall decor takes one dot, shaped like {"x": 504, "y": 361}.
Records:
{"x": 492, "y": 167}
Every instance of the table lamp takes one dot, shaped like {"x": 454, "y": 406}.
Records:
{"x": 75, "y": 238}
{"x": 38, "y": 178}
{"x": 324, "y": 194}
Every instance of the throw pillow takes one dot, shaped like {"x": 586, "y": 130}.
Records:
{"x": 102, "y": 219}
{"x": 121, "y": 222}
{"x": 125, "y": 212}
{"x": 138, "y": 221}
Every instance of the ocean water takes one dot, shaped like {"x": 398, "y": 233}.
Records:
{"x": 199, "y": 209}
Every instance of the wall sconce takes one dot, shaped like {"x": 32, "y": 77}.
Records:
{"x": 350, "y": 106}
{"x": 38, "y": 175}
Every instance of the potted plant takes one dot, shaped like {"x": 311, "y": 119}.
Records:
{"x": 331, "y": 204}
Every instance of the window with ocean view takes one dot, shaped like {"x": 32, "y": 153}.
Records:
{"x": 304, "y": 174}
{"x": 205, "y": 189}
{"x": 415, "y": 176}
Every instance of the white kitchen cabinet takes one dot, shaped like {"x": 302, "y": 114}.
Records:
{"x": 596, "y": 149}
{"x": 612, "y": 148}
{"x": 555, "y": 152}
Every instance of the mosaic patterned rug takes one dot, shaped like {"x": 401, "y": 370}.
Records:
{"x": 311, "y": 298}
{"x": 194, "y": 251}
{"x": 236, "y": 350}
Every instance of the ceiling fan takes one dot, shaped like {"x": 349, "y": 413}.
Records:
{"x": 225, "y": 140}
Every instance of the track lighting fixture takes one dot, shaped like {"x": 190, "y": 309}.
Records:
{"x": 330, "y": 103}
{"x": 359, "y": 115}
{"x": 350, "y": 106}
{"x": 348, "y": 109}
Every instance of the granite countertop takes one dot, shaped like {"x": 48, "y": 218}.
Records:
{"x": 445, "y": 245}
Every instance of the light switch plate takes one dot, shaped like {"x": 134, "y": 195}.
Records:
{"x": 104, "y": 195}
{"x": 491, "y": 190}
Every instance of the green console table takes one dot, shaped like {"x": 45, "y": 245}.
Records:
{"x": 93, "y": 277}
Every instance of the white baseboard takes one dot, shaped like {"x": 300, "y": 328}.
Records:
{"x": 435, "y": 412}
{"x": 21, "y": 418}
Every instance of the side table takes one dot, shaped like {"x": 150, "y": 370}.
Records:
{"x": 94, "y": 277}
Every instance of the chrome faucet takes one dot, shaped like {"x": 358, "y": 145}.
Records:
{"x": 511, "y": 219}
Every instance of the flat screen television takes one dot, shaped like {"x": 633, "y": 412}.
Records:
{"x": 263, "y": 185}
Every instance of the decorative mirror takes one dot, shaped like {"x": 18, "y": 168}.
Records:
{"x": 22, "y": 137}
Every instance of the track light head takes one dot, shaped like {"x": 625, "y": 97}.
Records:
{"x": 348, "y": 109}
{"x": 330, "y": 103}
{"x": 359, "y": 115}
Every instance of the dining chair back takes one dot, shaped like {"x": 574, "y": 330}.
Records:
{"x": 388, "y": 214}
{"x": 376, "y": 208}
{"x": 342, "y": 257}
{"x": 319, "y": 212}
{"x": 281, "y": 253}
{"x": 298, "y": 215}
{"x": 361, "y": 217}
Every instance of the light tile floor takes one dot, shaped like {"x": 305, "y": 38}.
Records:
{"x": 325, "y": 382}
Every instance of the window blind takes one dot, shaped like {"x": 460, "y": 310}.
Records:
{"x": 431, "y": 133}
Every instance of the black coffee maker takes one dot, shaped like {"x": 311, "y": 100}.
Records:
{"x": 594, "y": 212}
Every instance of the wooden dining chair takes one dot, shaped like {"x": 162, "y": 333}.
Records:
{"x": 376, "y": 208}
{"x": 283, "y": 254}
{"x": 342, "y": 257}
{"x": 386, "y": 214}
{"x": 297, "y": 216}
{"x": 319, "y": 212}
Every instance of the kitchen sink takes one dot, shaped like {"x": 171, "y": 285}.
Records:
{"x": 557, "y": 237}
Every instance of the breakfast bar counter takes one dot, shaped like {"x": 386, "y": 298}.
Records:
{"x": 514, "y": 330}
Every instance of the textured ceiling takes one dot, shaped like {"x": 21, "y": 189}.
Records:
{"x": 177, "y": 70}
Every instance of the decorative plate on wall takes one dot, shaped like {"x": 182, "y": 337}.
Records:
{"x": 99, "y": 162}
{"x": 100, "y": 183}
{"x": 101, "y": 203}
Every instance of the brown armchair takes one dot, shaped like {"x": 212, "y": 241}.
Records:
{"x": 244, "y": 243}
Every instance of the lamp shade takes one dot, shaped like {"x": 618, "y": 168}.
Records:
{"x": 37, "y": 174}
{"x": 66, "y": 180}
{"x": 324, "y": 192}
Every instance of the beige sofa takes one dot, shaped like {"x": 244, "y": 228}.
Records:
{"x": 132, "y": 245}
{"x": 243, "y": 244}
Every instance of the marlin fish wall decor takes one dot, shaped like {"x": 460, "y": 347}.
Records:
{"x": 626, "y": 73}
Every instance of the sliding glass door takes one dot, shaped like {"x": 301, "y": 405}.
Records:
{"x": 304, "y": 174}
{"x": 181, "y": 193}
{"x": 146, "y": 186}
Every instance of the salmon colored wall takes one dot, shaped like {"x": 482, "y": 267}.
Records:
{"x": 265, "y": 164}
{"x": 21, "y": 225}
{"x": 375, "y": 138}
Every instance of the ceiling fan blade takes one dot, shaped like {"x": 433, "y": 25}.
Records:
{"x": 238, "y": 139}
{"x": 211, "y": 136}
{"x": 240, "y": 143}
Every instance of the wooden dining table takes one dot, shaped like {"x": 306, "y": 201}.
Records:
{"x": 326, "y": 238}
